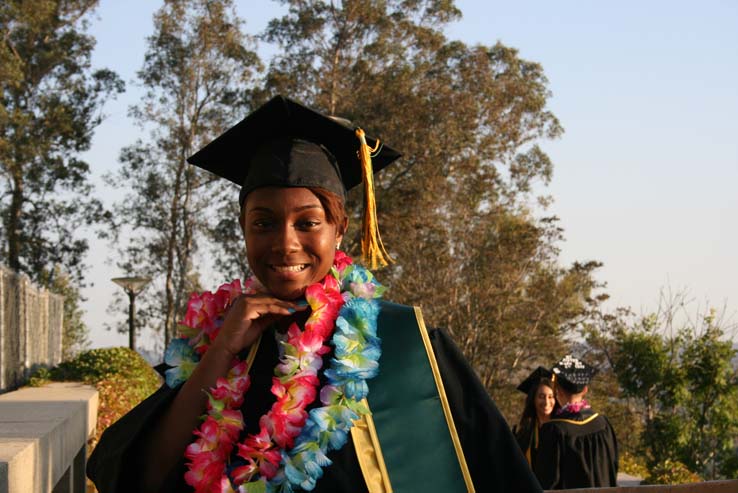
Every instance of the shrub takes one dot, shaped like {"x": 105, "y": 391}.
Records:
{"x": 40, "y": 377}
{"x": 632, "y": 465}
{"x": 671, "y": 472}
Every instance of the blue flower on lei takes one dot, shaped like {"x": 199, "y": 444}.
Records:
{"x": 357, "y": 348}
{"x": 360, "y": 283}
{"x": 183, "y": 359}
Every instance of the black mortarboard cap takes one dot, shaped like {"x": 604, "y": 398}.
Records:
{"x": 284, "y": 143}
{"x": 573, "y": 374}
{"x": 533, "y": 379}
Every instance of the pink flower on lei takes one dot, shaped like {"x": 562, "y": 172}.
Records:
{"x": 230, "y": 390}
{"x": 205, "y": 313}
{"x": 231, "y": 423}
{"x": 201, "y": 311}
{"x": 211, "y": 438}
{"x": 243, "y": 474}
{"x": 223, "y": 486}
{"x": 574, "y": 407}
{"x": 227, "y": 293}
{"x": 341, "y": 261}
{"x": 261, "y": 454}
{"x": 202, "y": 478}
{"x": 325, "y": 301}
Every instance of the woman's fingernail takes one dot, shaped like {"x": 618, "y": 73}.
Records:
{"x": 301, "y": 303}
{"x": 291, "y": 310}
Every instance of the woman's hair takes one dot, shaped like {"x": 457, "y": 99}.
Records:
{"x": 335, "y": 212}
{"x": 529, "y": 411}
{"x": 332, "y": 203}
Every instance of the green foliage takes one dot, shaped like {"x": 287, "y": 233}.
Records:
{"x": 665, "y": 436}
{"x": 728, "y": 461}
{"x": 74, "y": 331}
{"x": 98, "y": 364}
{"x": 40, "y": 377}
{"x": 681, "y": 383}
{"x": 712, "y": 412}
{"x": 633, "y": 465}
{"x": 50, "y": 101}
{"x": 671, "y": 472}
{"x": 640, "y": 364}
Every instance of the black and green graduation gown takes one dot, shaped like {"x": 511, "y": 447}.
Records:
{"x": 527, "y": 438}
{"x": 577, "y": 450}
{"x": 415, "y": 435}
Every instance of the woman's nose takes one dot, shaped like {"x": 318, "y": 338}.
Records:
{"x": 287, "y": 240}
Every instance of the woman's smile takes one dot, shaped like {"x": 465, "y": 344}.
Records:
{"x": 289, "y": 272}
{"x": 289, "y": 268}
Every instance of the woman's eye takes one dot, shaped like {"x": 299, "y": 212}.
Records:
{"x": 262, "y": 224}
{"x": 308, "y": 224}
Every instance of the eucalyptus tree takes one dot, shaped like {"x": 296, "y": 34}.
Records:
{"x": 197, "y": 70}
{"x": 50, "y": 105}
{"x": 458, "y": 212}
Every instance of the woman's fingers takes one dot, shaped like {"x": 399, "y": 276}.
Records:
{"x": 248, "y": 316}
{"x": 259, "y": 306}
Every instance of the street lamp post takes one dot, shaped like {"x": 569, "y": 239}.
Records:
{"x": 132, "y": 286}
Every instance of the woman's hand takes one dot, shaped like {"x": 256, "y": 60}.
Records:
{"x": 247, "y": 318}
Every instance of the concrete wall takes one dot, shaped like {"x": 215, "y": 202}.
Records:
{"x": 43, "y": 438}
{"x": 31, "y": 326}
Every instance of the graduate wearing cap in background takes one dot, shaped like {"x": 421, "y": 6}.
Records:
{"x": 540, "y": 404}
{"x": 577, "y": 448}
{"x": 304, "y": 379}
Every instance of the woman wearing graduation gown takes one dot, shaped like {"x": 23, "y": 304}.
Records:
{"x": 303, "y": 379}
{"x": 578, "y": 447}
{"x": 540, "y": 404}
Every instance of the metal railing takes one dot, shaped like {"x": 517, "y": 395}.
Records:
{"x": 31, "y": 327}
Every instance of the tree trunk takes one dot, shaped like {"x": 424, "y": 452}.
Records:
{"x": 185, "y": 246}
{"x": 169, "y": 323}
{"x": 13, "y": 226}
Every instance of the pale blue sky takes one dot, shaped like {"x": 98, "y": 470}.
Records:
{"x": 645, "y": 174}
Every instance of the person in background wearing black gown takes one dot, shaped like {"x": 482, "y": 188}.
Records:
{"x": 382, "y": 404}
{"x": 540, "y": 404}
{"x": 578, "y": 447}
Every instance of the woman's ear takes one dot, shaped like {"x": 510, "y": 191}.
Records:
{"x": 340, "y": 231}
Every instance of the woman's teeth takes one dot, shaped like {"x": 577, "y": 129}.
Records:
{"x": 289, "y": 268}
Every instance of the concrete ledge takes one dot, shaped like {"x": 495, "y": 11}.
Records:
{"x": 42, "y": 431}
{"x": 729, "y": 486}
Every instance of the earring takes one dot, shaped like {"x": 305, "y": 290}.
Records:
{"x": 338, "y": 245}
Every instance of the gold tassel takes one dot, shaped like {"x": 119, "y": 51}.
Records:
{"x": 372, "y": 249}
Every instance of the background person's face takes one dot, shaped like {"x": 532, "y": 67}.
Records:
{"x": 544, "y": 400}
{"x": 289, "y": 243}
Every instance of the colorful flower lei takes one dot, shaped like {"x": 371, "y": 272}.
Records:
{"x": 573, "y": 407}
{"x": 290, "y": 449}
